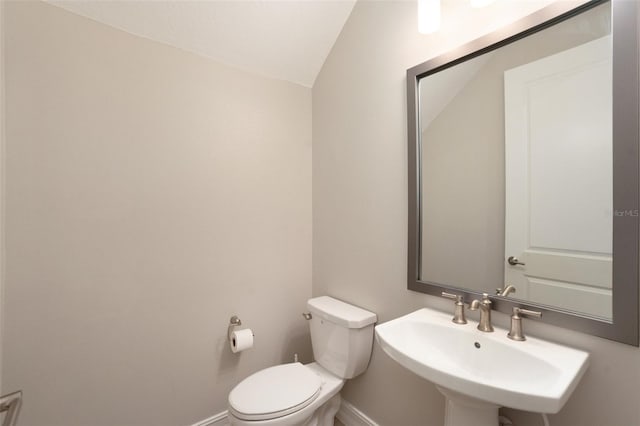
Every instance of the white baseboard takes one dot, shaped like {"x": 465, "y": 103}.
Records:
{"x": 347, "y": 414}
{"x": 351, "y": 416}
{"x": 220, "y": 419}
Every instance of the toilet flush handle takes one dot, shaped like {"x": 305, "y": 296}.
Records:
{"x": 306, "y": 315}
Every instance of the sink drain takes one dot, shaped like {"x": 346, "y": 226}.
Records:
{"x": 477, "y": 345}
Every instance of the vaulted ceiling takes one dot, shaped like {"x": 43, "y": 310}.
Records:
{"x": 282, "y": 39}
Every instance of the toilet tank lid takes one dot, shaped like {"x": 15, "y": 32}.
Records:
{"x": 341, "y": 313}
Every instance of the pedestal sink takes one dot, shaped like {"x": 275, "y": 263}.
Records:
{"x": 479, "y": 372}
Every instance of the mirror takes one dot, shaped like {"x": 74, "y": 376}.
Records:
{"x": 520, "y": 147}
{"x": 517, "y": 156}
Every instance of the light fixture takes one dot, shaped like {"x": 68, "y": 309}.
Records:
{"x": 480, "y": 3}
{"x": 428, "y": 16}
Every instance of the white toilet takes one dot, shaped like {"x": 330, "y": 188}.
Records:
{"x": 296, "y": 394}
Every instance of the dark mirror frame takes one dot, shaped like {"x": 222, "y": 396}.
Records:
{"x": 623, "y": 327}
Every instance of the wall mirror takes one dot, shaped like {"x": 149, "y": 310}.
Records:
{"x": 523, "y": 168}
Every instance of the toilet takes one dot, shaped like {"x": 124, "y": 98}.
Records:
{"x": 309, "y": 395}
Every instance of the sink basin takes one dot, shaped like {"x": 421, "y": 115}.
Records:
{"x": 533, "y": 375}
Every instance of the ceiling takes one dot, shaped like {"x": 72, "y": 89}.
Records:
{"x": 442, "y": 87}
{"x": 283, "y": 39}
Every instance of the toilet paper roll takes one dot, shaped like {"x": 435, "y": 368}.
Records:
{"x": 241, "y": 340}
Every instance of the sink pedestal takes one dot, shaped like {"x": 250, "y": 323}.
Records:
{"x": 461, "y": 410}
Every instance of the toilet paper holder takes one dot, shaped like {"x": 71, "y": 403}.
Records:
{"x": 233, "y": 323}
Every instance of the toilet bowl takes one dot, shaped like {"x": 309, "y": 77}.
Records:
{"x": 309, "y": 395}
{"x": 285, "y": 395}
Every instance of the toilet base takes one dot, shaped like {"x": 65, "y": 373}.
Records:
{"x": 325, "y": 415}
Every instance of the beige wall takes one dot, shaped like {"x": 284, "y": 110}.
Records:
{"x": 360, "y": 218}
{"x": 151, "y": 194}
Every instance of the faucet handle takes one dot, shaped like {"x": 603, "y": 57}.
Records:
{"x": 526, "y": 312}
{"x": 458, "y": 315}
{"x": 458, "y": 298}
{"x": 516, "y": 332}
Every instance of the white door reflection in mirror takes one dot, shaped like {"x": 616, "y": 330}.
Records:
{"x": 558, "y": 179}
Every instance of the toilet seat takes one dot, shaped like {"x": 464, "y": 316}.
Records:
{"x": 275, "y": 392}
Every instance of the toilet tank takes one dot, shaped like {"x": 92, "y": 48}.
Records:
{"x": 341, "y": 336}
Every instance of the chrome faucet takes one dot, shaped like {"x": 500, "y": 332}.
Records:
{"x": 485, "y": 312}
{"x": 504, "y": 292}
